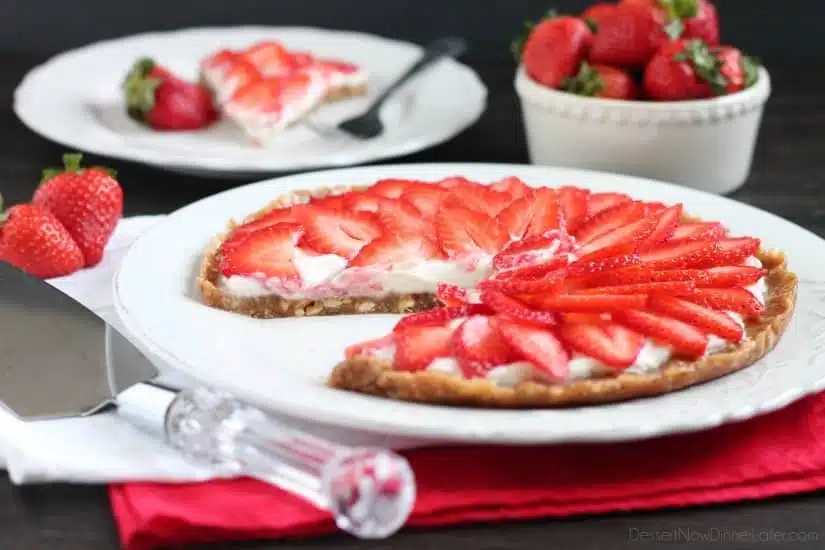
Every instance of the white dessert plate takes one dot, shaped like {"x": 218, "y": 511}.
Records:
{"x": 75, "y": 99}
{"x": 282, "y": 364}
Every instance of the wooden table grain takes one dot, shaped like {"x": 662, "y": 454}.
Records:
{"x": 788, "y": 180}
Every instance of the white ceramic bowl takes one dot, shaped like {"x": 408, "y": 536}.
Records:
{"x": 705, "y": 144}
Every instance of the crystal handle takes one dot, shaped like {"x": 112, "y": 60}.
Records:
{"x": 370, "y": 492}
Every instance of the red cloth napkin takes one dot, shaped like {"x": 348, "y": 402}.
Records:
{"x": 780, "y": 453}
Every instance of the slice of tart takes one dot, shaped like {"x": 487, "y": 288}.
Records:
{"x": 637, "y": 300}
{"x": 267, "y": 88}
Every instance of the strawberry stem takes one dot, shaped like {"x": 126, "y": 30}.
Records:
{"x": 683, "y": 9}
{"x": 140, "y": 88}
{"x": 587, "y": 82}
{"x": 3, "y": 213}
{"x": 707, "y": 66}
{"x": 750, "y": 66}
{"x": 674, "y": 29}
{"x": 72, "y": 163}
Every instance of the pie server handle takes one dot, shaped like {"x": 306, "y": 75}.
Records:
{"x": 369, "y": 491}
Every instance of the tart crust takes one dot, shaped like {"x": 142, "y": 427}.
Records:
{"x": 376, "y": 377}
{"x": 272, "y": 306}
{"x": 345, "y": 92}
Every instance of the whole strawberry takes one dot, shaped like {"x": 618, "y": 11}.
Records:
{"x": 630, "y": 35}
{"x": 555, "y": 49}
{"x": 704, "y": 25}
{"x": 159, "y": 99}
{"x": 688, "y": 18}
{"x": 601, "y": 81}
{"x": 33, "y": 240}
{"x": 739, "y": 71}
{"x": 87, "y": 201}
{"x": 689, "y": 69}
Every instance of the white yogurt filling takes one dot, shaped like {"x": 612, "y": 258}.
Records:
{"x": 262, "y": 125}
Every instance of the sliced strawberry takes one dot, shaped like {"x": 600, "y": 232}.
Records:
{"x": 547, "y": 213}
{"x": 427, "y": 198}
{"x": 439, "y": 316}
{"x": 573, "y": 203}
{"x": 685, "y": 340}
{"x": 455, "y": 182}
{"x": 612, "y": 344}
{"x": 337, "y": 232}
{"x": 533, "y": 215}
{"x": 393, "y": 248}
{"x": 622, "y": 249}
{"x": 556, "y": 279}
{"x": 585, "y": 267}
{"x": 281, "y": 215}
{"x": 513, "y": 186}
{"x": 539, "y": 346}
{"x": 737, "y": 300}
{"x": 481, "y": 199}
{"x": 675, "y": 288}
{"x": 400, "y": 217}
{"x": 532, "y": 271}
{"x": 461, "y": 231}
{"x": 587, "y": 303}
{"x": 333, "y": 202}
{"x": 550, "y": 282}
{"x": 610, "y": 219}
{"x": 654, "y": 207}
{"x": 479, "y": 346}
{"x": 641, "y": 276}
{"x": 719, "y": 277}
{"x": 714, "y": 322}
{"x": 731, "y": 252}
{"x": 586, "y": 318}
{"x": 370, "y": 348}
{"x": 451, "y": 295}
{"x": 667, "y": 221}
{"x": 633, "y": 232}
{"x": 363, "y": 202}
{"x": 672, "y": 255}
{"x": 533, "y": 250}
{"x": 268, "y": 251}
{"x": 517, "y": 216}
{"x": 417, "y": 346}
{"x": 730, "y": 275}
{"x": 598, "y": 202}
{"x": 512, "y": 308}
{"x": 553, "y": 239}
{"x": 698, "y": 231}
{"x": 389, "y": 188}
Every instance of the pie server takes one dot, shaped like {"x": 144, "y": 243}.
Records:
{"x": 52, "y": 366}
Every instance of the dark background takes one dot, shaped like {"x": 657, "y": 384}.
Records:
{"x": 784, "y": 32}
{"x": 789, "y": 167}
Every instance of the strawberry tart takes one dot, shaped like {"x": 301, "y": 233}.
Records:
{"x": 267, "y": 88}
{"x": 518, "y": 296}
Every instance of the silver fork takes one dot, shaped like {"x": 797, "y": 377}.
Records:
{"x": 368, "y": 124}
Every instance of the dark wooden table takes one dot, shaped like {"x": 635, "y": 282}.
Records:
{"x": 788, "y": 180}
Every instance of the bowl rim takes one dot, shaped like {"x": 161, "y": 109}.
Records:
{"x": 529, "y": 89}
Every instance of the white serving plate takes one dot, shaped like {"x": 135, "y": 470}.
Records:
{"x": 75, "y": 99}
{"x": 282, "y": 364}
